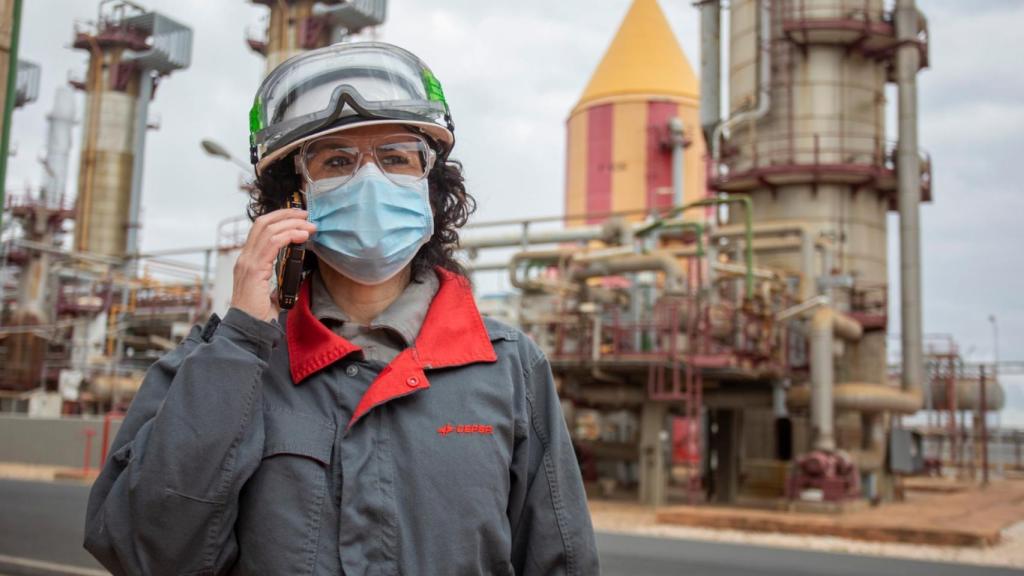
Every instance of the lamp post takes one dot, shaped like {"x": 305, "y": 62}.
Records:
{"x": 995, "y": 375}
{"x": 214, "y": 149}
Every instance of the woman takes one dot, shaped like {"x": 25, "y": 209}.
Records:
{"x": 381, "y": 425}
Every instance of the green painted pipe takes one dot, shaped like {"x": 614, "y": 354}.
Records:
{"x": 12, "y": 84}
{"x": 748, "y": 207}
{"x": 662, "y": 225}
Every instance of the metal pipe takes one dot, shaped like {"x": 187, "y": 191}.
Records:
{"x": 656, "y": 260}
{"x": 663, "y": 225}
{"x": 87, "y": 164}
{"x": 763, "y": 92}
{"x": 678, "y": 139}
{"x": 983, "y": 417}
{"x": 548, "y": 256}
{"x": 582, "y": 234}
{"x": 737, "y": 270}
{"x": 74, "y": 254}
{"x": 138, "y": 162}
{"x": 860, "y": 397}
{"x": 748, "y": 211}
{"x": 846, "y": 327}
{"x": 8, "y": 111}
{"x": 908, "y": 171}
{"x": 807, "y": 246}
{"x": 710, "y": 67}
{"x": 60, "y": 123}
{"x": 822, "y": 418}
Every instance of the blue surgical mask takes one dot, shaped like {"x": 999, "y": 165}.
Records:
{"x": 369, "y": 227}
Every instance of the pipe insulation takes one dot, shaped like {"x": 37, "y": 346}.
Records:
{"x": 822, "y": 418}
{"x": 764, "y": 86}
{"x": 859, "y": 397}
{"x": 675, "y": 277}
{"x": 710, "y": 67}
{"x": 908, "y": 171}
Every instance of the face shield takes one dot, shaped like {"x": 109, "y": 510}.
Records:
{"x": 330, "y": 88}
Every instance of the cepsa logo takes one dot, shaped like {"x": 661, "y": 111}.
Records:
{"x": 465, "y": 429}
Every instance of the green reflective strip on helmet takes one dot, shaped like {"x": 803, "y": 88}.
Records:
{"x": 255, "y": 125}
{"x": 433, "y": 87}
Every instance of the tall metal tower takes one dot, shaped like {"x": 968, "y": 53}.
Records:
{"x": 294, "y": 26}
{"x": 130, "y": 50}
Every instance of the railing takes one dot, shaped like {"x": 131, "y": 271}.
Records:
{"x": 815, "y": 154}
{"x": 26, "y": 200}
{"x": 866, "y": 12}
{"x": 809, "y": 149}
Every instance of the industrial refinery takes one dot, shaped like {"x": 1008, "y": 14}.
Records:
{"x": 731, "y": 299}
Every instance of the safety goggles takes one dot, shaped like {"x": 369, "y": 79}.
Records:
{"x": 326, "y": 89}
{"x": 403, "y": 158}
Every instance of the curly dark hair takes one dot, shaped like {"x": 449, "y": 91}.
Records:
{"x": 451, "y": 204}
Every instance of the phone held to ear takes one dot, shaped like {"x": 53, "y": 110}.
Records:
{"x": 289, "y": 264}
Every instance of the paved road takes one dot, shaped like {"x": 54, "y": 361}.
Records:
{"x": 43, "y": 521}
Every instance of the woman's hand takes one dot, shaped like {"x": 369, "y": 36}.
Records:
{"x": 255, "y": 264}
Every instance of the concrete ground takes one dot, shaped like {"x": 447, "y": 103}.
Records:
{"x": 41, "y": 535}
{"x": 942, "y": 510}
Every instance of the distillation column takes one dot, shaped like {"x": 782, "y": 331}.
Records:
{"x": 294, "y": 26}
{"x": 130, "y": 50}
{"x": 805, "y": 137}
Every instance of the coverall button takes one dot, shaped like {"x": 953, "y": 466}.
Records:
{"x": 352, "y": 370}
{"x": 413, "y": 381}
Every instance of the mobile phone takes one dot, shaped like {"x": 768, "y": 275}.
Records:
{"x": 289, "y": 264}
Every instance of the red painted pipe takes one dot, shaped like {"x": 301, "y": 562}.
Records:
{"x": 107, "y": 419}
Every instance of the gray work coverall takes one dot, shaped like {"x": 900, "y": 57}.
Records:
{"x": 255, "y": 450}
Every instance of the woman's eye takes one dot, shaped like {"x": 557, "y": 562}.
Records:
{"x": 395, "y": 160}
{"x": 337, "y": 162}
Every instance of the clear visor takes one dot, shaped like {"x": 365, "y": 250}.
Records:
{"x": 334, "y": 160}
{"x": 318, "y": 88}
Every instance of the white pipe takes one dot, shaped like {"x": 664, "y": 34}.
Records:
{"x": 658, "y": 260}
{"x": 138, "y": 162}
{"x": 710, "y": 66}
{"x": 60, "y": 122}
{"x": 678, "y": 139}
{"x": 822, "y": 418}
{"x": 581, "y": 234}
{"x": 764, "y": 87}
{"x": 908, "y": 171}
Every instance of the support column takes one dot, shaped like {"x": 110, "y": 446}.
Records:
{"x": 652, "y": 473}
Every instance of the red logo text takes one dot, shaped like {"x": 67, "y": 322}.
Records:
{"x": 465, "y": 429}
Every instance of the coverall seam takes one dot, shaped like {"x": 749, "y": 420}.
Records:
{"x": 553, "y": 487}
{"x": 210, "y": 557}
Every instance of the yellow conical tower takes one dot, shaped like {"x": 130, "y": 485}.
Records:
{"x": 617, "y": 156}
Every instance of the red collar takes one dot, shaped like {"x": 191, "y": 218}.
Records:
{"x": 453, "y": 334}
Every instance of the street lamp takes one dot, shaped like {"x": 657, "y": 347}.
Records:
{"x": 995, "y": 340}
{"x": 214, "y": 149}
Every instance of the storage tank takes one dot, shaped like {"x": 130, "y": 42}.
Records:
{"x": 619, "y": 141}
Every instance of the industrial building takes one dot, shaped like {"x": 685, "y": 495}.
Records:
{"x": 714, "y": 300}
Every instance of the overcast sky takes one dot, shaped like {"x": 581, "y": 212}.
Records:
{"x": 513, "y": 70}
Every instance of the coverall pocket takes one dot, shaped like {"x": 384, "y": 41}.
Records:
{"x": 283, "y": 501}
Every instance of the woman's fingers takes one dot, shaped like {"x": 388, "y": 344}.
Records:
{"x": 265, "y": 226}
{"x": 255, "y": 264}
